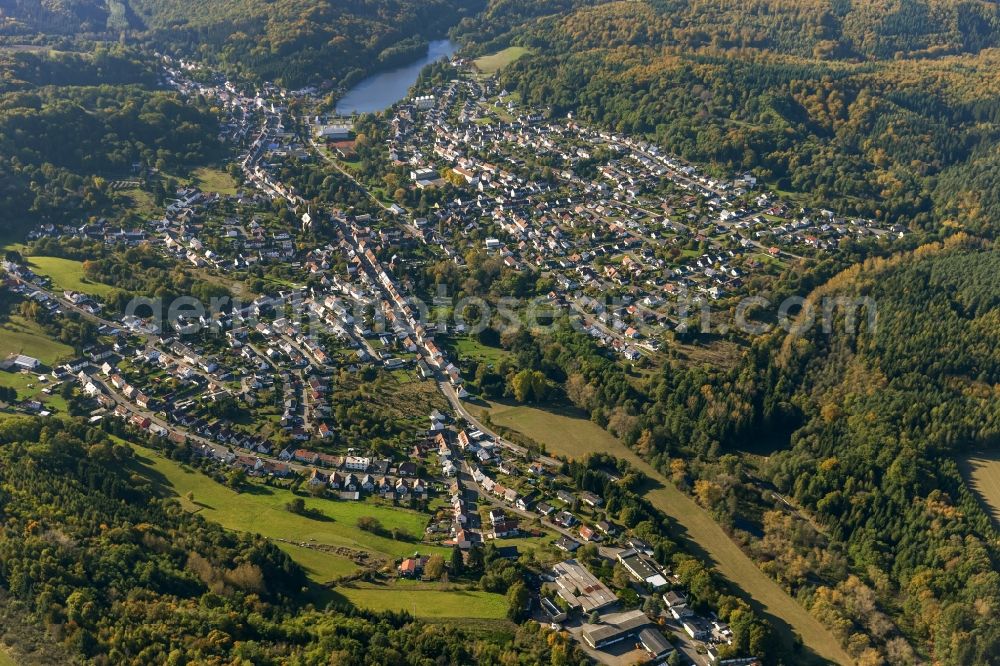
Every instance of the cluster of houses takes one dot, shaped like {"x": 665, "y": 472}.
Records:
{"x": 606, "y": 233}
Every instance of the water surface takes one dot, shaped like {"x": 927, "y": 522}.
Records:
{"x": 380, "y": 91}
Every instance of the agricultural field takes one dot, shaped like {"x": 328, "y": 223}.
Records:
{"x": 22, "y": 336}
{"x": 564, "y": 432}
{"x": 982, "y": 472}
{"x": 67, "y": 274}
{"x": 491, "y": 64}
{"x": 261, "y": 509}
{"x": 424, "y": 601}
{"x": 213, "y": 180}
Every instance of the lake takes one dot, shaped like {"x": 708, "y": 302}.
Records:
{"x": 380, "y": 91}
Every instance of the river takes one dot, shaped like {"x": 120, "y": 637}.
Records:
{"x": 380, "y": 91}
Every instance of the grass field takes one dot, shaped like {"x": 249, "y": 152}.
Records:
{"x": 67, "y": 274}
{"x": 261, "y": 509}
{"x": 566, "y": 433}
{"x": 426, "y": 603}
{"x": 982, "y": 472}
{"x": 562, "y": 433}
{"x": 140, "y": 202}
{"x": 320, "y": 566}
{"x": 469, "y": 348}
{"x": 213, "y": 180}
{"x": 5, "y": 658}
{"x": 28, "y": 386}
{"x": 22, "y": 336}
{"x": 491, "y": 64}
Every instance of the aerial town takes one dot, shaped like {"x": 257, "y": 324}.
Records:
{"x": 621, "y": 232}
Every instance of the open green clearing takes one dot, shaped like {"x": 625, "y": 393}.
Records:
{"x": 469, "y": 348}
{"x": 29, "y": 387}
{"x": 321, "y": 567}
{"x": 982, "y": 471}
{"x": 207, "y": 179}
{"x": 139, "y": 201}
{"x": 562, "y": 433}
{"x": 566, "y": 433}
{"x": 491, "y": 64}
{"x": 22, "y": 336}
{"x": 261, "y": 509}
{"x": 426, "y": 603}
{"x": 67, "y": 274}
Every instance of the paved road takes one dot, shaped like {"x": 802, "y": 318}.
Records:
{"x": 459, "y": 407}
{"x": 490, "y": 500}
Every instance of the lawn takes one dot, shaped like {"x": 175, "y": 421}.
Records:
{"x": 140, "y": 202}
{"x": 491, "y": 64}
{"x": 22, "y": 336}
{"x": 469, "y": 348}
{"x": 28, "y": 386}
{"x": 426, "y": 602}
{"x": 321, "y": 567}
{"x": 213, "y": 180}
{"x": 563, "y": 433}
{"x": 261, "y": 509}
{"x": 566, "y": 433}
{"x": 5, "y": 658}
{"x": 982, "y": 473}
{"x": 67, "y": 274}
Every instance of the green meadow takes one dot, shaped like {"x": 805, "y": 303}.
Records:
{"x": 424, "y": 601}
{"x": 261, "y": 509}
{"x": 493, "y": 63}
{"x": 67, "y": 274}
{"x": 23, "y": 336}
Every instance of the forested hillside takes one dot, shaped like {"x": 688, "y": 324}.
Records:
{"x": 888, "y": 108}
{"x": 68, "y": 123}
{"x": 290, "y": 41}
{"x": 885, "y": 412}
{"x": 882, "y": 540}
{"x": 114, "y": 574}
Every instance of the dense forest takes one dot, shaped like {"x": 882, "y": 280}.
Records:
{"x": 888, "y": 108}
{"x": 292, "y": 42}
{"x": 69, "y": 123}
{"x": 90, "y": 554}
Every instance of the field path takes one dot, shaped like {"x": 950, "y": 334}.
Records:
{"x": 568, "y": 434}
